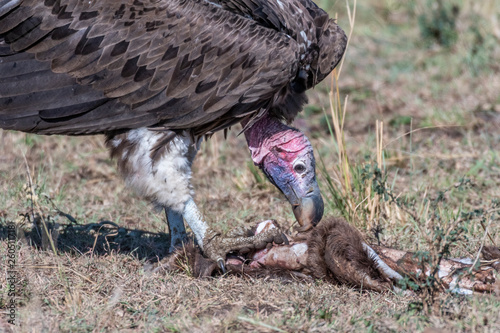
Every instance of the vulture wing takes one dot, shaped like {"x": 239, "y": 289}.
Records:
{"x": 94, "y": 66}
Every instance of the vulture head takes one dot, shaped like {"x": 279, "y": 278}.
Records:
{"x": 286, "y": 157}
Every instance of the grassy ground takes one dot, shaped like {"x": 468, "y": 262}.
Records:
{"x": 441, "y": 84}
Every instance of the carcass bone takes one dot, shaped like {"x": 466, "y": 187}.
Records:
{"x": 335, "y": 251}
{"x": 455, "y": 274}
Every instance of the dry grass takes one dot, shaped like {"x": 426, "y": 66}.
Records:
{"x": 445, "y": 97}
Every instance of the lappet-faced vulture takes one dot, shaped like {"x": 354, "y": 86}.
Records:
{"x": 155, "y": 76}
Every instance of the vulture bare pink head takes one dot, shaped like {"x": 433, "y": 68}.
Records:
{"x": 286, "y": 157}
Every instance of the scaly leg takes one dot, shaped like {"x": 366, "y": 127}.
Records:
{"x": 215, "y": 246}
{"x": 176, "y": 229}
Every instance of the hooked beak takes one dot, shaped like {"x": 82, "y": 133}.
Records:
{"x": 308, "y": 210}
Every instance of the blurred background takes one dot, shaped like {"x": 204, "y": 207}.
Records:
{"x": 434, "y": 61}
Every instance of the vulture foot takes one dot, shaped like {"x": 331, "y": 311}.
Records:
{"x": 217, "y": 246}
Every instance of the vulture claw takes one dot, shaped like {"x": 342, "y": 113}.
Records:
{"x": 281, "y": 239}
{"x": 222, "y": 266}
{"x": 217, "y": 246}
{"x": 285, "y": 239}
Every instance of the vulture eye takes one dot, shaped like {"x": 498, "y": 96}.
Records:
{"x": 299, "y": 167}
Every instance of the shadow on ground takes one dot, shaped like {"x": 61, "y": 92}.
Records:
{"x": 98, "y": 238}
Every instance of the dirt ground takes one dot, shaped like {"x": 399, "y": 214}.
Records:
{"x": 397, "y": 70}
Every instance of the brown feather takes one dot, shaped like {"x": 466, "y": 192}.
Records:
{"x": 188, "y": 65}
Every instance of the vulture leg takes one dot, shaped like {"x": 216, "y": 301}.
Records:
{"x": 157, "y": 165}
{"x": 215, "y": 246}
{"x": 176, "y": 229}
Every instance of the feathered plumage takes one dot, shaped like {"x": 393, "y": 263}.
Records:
{"x": 85, "y": 67}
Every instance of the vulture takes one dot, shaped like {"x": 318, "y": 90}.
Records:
{"x": 157, "y": 76}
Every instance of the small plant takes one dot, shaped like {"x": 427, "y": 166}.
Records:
{"x": 442, "y": 231}
{"x": 351, "y": 191}
{"x": 437, "y": 21}
{"x": 360, "y": 193}
{"x": 43, "y": 214}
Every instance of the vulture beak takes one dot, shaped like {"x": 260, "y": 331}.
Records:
{"x": 308, "y": 210}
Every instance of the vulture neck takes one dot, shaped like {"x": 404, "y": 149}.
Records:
{"x": 267, "y": 134}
